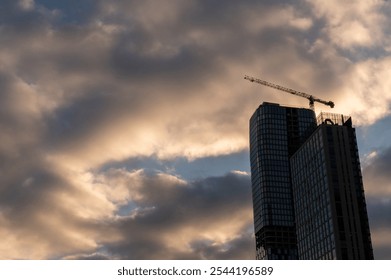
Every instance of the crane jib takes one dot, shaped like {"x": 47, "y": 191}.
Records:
{"x": 312, "y": 99}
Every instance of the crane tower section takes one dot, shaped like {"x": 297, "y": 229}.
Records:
{"x": 312, "y": 99}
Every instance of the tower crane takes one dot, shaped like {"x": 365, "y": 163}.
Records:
{"x": 312, "y": 99}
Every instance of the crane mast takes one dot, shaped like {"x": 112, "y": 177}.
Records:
{"x": 312, "y": 99}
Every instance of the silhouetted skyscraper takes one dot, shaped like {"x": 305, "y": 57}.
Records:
{"x": 275, "y": 134}
{"x": 328, "y": 194}
{"x": 307, "y": 190}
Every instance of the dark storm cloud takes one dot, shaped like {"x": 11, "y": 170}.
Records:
{"x": 172, "y": 215}
{"x": 239, "y": 248}
{"x": 196, "y": 38}
{"x": 381, "y": 165}
{"x": 382, "y": 252}
{"x": 186, "y": 63}
{"x": 379, "y": 212}
{"x": 377, "y": 185}
{"x": 35, "y": 212}
{"x": 81, "y": 118}
{"x": 173, "y": 219}
{"x": 376, "y": 173}
{"x": 71, "y": 11}
{"x": 159, "y": 61}
{"x": 13, "y": 14}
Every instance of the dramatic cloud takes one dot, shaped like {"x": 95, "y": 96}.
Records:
{"x": 127, "y": 215}
{"x": 174, "y": 219}
{"x": 377, "y": 182}
{"x": 353, "y": 24}
{"x": 377, "y": 177}
{"x": 89, "y": 89}
{"x": 379, "y": 212}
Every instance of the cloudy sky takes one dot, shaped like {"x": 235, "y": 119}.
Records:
{"x": 124, "y": 124}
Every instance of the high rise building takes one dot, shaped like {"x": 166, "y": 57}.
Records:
{"x": 307, "y": 189}
{"x": 275, "y": 134}
{"x": 328, "y": 194}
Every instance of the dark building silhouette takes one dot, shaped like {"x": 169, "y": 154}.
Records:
{"x": 328, "y": 194}
{"x": 307, "y": 188}
{"x": 275, "y": 134}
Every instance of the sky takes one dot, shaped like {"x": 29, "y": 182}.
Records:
{"x": 124, "y": 124}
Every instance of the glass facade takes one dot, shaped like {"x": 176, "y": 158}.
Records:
{"x": 307, "y": 188}
{"x": 314, "y": 225}
{"x": 330, "y": 210}
{"x": 275, "y": 134}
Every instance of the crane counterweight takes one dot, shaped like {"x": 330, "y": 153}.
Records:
{"x": 312, "y": 99}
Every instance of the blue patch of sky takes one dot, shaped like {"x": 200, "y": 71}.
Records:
{"x": 211, "y": 166}
{"x": 358, "y": 54}
{"x": 71, "y": 11}
{"x": 182, "y": 167}
{"x": 127, "y": 209}
{"x": 375, "y": 137}
{"x": 188, "y": 170}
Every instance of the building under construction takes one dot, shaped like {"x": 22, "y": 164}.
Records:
{"x": 307, "y": 188}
